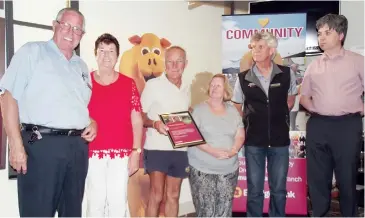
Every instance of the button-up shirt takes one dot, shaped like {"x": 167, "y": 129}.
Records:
{"x": 335, "y": 83}
{"x": 49, "y": 89}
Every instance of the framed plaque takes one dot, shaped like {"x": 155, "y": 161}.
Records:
{"x": 183, "y": 132}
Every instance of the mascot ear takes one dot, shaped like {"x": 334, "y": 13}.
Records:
{"x": 165, "y": 43}
{"x": 135, "y": 40}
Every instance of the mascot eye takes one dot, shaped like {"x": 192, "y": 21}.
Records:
{"x": 145, "y": 50}
{"x": 156, "y": 51}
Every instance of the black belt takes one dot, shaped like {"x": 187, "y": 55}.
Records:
{"x": 50, "y": 131}
{"x": 338, "y": 116}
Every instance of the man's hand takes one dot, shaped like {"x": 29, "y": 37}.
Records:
{"x": 90, "y": 131}
{"x": 160, "y": 127}
{"x": 18, "y": 158}
{"x": 133, "y": 163}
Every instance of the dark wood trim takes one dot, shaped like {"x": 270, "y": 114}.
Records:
{"x": 9, "y": 31}
{"x": 232, "y": 7}
{"x": 34, "y": 25}
{"x": 9, "y": 34}
{"x": 76, "y": 5}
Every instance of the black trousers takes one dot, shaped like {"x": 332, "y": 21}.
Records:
{"x": 333, "y": 143}
{"x": 55, "y": 178}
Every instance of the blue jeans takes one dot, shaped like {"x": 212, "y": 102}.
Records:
{"x": 277, "y": 167}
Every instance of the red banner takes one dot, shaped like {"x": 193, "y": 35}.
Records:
{"x": 296, "y": 188}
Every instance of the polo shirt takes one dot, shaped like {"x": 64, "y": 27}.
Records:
{"x": 161, "y": 96}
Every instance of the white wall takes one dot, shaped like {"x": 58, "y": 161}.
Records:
{"x": 354, "y": 11}
{"x": 198, "y": 31}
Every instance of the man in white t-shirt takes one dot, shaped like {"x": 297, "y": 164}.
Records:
{"x": 163, "y": 163}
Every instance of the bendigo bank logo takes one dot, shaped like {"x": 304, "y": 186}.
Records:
{"x": 239, "y": 192}
{"x": 281, "y": 32}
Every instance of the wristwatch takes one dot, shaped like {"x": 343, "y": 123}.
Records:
{"x": 139, "y": 150}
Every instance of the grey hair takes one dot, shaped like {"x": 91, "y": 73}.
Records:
{"x": 175, "y": 47}
{"x": 336, "y": 22}
{"x": 270, "y": 39}
{"x": 62, "y": 11}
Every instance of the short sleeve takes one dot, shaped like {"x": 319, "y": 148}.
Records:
{"x": 17, "y": 76}
{"x": 135, "y": 100}
{"x": 238, "y": 118}
{"x": 189, "y": 95}
{"x": 195, "y": 115}
{"x": 293, "y": 90}
{"x": 306, "y": 87}
{"x": 147, "y": 97}
{"x": 238, "y": 96}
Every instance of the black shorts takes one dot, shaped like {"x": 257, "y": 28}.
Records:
{"x": 173, "y": 163}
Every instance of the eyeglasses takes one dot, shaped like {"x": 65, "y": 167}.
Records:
{"x": 75, "y": 29}
{"x": 256, "y": 47}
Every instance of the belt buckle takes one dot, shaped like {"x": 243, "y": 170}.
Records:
{"x": 69, "y": 133}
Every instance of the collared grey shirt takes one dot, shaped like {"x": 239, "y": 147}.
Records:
{"x": 49, "y": 89}
{"x": 238, "y": 96}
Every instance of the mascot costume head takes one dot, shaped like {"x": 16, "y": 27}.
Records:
{"x": 145, "y": 60}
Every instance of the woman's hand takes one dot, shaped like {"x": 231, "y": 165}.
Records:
{"x": 133, "y": 163}
{"x": 219, "y": 154}
{"x": 233, "y": 152}
{"x": 215, "y": 152}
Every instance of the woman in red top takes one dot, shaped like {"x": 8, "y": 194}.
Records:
{"x": 114, "y": 154}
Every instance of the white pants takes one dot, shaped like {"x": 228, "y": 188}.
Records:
{"x": 106, "y": 187}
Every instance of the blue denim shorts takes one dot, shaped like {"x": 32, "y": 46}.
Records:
{"x": 172, "y": 163}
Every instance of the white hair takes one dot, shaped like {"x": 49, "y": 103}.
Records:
{"x": 62, "y": 11}
{"x": 270, "y": 39}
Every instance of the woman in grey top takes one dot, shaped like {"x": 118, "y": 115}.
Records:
{"x": 214, "y": 165}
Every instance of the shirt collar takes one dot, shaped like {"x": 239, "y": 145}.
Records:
{"x": 55, "y": 48}
{"x": 325, "y": 56}
{"x": 274, "y": 69}
{"x": 164, "y": 77}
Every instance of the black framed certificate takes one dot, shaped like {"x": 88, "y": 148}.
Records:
{"x": 183, "y": 131}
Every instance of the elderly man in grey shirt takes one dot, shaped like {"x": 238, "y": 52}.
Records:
{"x": 45, "y": 94}
{"x": 267, "y": 93}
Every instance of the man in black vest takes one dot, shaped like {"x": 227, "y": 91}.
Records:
{"x": 267, "y": 93}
